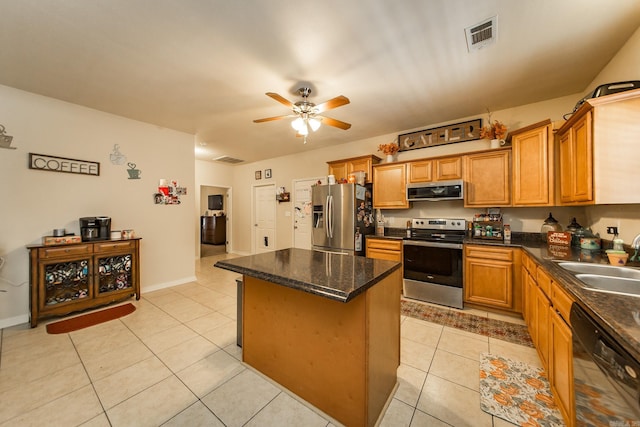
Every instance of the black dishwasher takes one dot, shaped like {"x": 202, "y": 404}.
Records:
{"x": 606, "y": 383}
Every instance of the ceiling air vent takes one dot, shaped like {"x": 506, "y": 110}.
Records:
{"x": 227, "y": 159}
{"x": 482, "y": 34}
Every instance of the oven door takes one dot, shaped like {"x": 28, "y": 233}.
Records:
{"x": 433, "y": 262}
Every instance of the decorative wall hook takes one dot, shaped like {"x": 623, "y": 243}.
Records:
{"x": 133, "y": 172}
{"x": 117, "y": 158}
{"x": 5, "y": 140}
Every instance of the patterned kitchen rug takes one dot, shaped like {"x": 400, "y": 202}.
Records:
{"x": 517, "y": 392}
{"x": 493, "y": 328}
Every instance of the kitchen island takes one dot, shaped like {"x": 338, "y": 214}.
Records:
{"x": 324, "y": 326}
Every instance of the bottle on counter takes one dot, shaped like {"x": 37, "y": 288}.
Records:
{"x": 379, "y": 223}
{"x": 507, "y": 232}
{"x": 408, "y": 228}
{"x": 358, "y": 240}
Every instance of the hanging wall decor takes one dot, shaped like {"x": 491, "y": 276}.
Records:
{"x": 133, "y": 172}
{"x": 450, "y": 134}
{"x": 5, "y": 140}
{"x": 63, "y": 164}
{"x": 116, "y": 157}
{"x": 169, "y": 193}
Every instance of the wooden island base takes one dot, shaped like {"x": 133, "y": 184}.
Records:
{"x": 340, "y": 357}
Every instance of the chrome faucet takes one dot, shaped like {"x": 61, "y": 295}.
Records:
{"x": 636, "y": 246}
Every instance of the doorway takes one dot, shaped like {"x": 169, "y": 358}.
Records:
{"x": 214, "y": 225}
{"x": 264, "y": 218}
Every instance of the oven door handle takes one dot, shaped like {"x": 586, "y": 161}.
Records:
{"x": 432, "y": 244}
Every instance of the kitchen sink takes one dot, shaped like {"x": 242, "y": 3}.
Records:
{"x": 610, "y": 284}
{"x": 601, "y": 270}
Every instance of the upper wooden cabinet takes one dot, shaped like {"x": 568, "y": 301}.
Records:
{"x": 598, "y": 151}
{"x": 390, "y": 186}
{"x": 487, "y": 179}
{"x": 421, "y": 171}
{"x": 576, "y": 161}
{"x": 532, "y": 159}
{"x": 440, "y": 169}
{"x": 448, "y": 168}
{"x": 342, "y": 168}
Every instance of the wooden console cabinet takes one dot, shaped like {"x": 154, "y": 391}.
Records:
{"x": 73, "y": 277}
{"x": 213, "y": 230}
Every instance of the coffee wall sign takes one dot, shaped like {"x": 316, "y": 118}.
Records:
{"x": 44, "y": 162}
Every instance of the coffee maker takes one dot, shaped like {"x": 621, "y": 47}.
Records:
{"x": 95, "y": 228}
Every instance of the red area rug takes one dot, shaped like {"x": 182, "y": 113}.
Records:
{"x": 90, "y": 319}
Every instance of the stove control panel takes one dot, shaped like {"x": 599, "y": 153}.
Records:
{"x": 439, "y": 224}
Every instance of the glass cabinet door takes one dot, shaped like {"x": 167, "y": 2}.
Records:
{"x": 114, "y": 273}
{"x": 65, "y": 282}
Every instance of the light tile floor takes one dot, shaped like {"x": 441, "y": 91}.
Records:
{"x": 174, "y": 362}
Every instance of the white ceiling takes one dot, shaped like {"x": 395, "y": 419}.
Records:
{"x": 203, "y": 66}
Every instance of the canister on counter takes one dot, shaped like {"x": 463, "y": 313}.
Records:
{"x": 507, "y": 232}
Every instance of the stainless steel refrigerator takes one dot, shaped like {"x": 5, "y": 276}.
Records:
{"x": 342, "y": 216}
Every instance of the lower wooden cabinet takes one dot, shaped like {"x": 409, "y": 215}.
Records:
{"x": 388, "y": 249}
{"x": 74, "y": 277}
{"x": 561, "y": 366}
{"x": 546, "y": 312}
{"x": 492, "y": 277}
{"x": 542, "y": 308}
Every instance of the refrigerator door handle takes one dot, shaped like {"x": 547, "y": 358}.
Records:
{"x": 330, "y": 216}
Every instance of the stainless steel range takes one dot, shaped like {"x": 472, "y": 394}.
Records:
{"x": 432, "y": 259}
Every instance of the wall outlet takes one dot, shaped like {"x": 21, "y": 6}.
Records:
{"x": 612, "y": 230}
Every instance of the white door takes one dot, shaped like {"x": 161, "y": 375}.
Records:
{"x": 264, "y": 218}
{"x": 302, "y": 212}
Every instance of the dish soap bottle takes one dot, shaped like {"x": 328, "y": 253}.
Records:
{"x": 550, "y": 224}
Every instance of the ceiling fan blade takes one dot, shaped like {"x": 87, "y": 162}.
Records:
{"x": 280, "y": 99}
{"x": 336, "y": 102}
{"x": 270, "y": 119}
{"x": 336, "y": 123}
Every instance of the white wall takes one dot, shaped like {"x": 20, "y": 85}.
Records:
{"x": 35, "y": 202}
{"x": 624, "y": 66}
{"x": 313, "y": 163}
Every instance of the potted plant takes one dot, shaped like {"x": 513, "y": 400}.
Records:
{"x": 389, "y": 150}
{"x": 496, "y": 132}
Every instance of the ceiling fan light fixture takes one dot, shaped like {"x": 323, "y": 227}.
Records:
{"x": 297, "y": 124}
{"x": 314, "y": 124}
{"x": 304, "y": 130}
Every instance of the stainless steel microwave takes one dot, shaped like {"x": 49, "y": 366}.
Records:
{"x": 434, "y": 191}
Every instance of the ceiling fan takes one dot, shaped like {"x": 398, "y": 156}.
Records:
{"x": 307, "y": 114}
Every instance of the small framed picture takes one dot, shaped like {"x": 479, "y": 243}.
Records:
{"x": 258, "y": 174}
{"x": 267, "y": 173}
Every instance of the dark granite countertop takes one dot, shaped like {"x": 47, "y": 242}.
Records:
{"x": 618, "y": 314}
{"x": 333, "y": 276}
